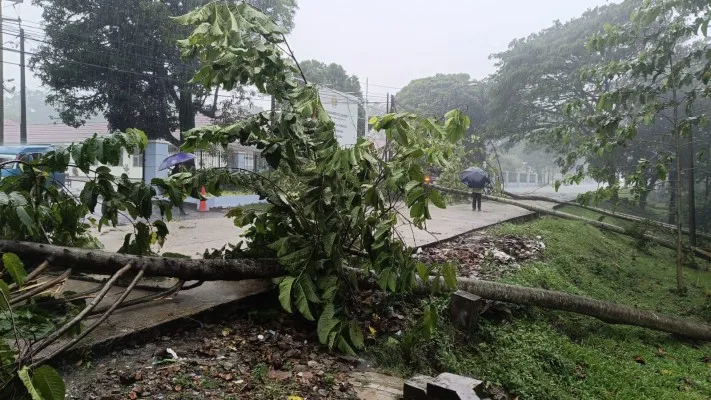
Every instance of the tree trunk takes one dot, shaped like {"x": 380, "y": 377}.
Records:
{"x": 101, "y": 262}
{"x": 186, "y": 111}
{"x": 692, "y": 192}
{"x": 622, "y": 216}
{"x": 235, "y": 270}
{"x": 613, "y": 228}
{"x": 672, "y": 197}
{"x": 608, "y": 312}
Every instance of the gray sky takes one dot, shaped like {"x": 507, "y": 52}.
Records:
{"x": 392, "y": 41}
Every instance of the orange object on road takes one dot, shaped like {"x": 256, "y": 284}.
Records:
{"x": 203, "y": 202}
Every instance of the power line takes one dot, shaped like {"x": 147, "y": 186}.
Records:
{"x": 385, "y": 87}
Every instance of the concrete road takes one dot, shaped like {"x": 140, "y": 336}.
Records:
{"x": 199, "y": 231}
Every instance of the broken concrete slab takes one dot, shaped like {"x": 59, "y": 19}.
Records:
{"x": 465, "y": 309}
{"x": 144, "y": 320}
{"x": 416, "y": 387}
{"x": 453, "y": 387}
{"x": 374, "y": 386}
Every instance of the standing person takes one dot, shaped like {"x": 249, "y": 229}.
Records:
{"x": 186, "y": 167}
{"x": 477, "y": 191}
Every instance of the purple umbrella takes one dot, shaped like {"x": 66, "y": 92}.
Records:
{"x": 176, "y": 159}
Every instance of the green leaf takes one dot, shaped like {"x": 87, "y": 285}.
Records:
{"x": 385, "y": 275}
{"x": 329, "y": 286}
{"x": 414, "y": 195}
{"x": 24, "y": 374}
{"x": 449, "y": 273}
{"x": 326, "y": 323}
{"x": 308, "y": 286}
{"x": 25, "y": 218}
{"x": 423, "y": 272}
{"x": 411, "y": 185}
{"x": 4, "y": 296}
{"x": 356, "y": 335}
{"x": 437, "y": 199}
{"x": 14, "y": 267}
{"x": 296, "y": 257}
{"x": 48, "y": 383}
{"x": 328, "y": 241}
{"x": 429, "y": 321}
{"x": 285, "y": 287}
{"x": 302, "y": 303}
{"x": 345, "y": 347}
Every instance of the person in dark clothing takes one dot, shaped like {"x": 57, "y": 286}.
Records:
{"x": 477, "y": 193}
{"x": 185, "y": 167}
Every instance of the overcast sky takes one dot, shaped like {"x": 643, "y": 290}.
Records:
{"x": 391, "y": 42}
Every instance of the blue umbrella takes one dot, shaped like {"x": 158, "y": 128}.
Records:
{"x": 474, "y": 177}
{"x": 176, "y": 159}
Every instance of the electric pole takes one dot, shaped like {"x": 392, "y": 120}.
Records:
{"x": 365, "y": 110}
{"x": 2, "y": 78}
{"x": 2, "y": 84}
{"x": 386, "y": 154}
{"x": 23, "y": 90}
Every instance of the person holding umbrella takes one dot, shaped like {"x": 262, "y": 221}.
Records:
{"x": 477, "y": 179}
{"x": 181, "y": 162}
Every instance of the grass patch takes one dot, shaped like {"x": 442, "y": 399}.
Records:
{"x": 544, "y": 354}
{"x": 258, "y": 207}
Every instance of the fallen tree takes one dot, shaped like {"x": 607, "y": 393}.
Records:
{"x": 622, "y": 216}
{"x": 602, "y": 310}
{"x": 237, "y": 269}
{"x": 106, "y": 263}
{"x": 598, "y": 224}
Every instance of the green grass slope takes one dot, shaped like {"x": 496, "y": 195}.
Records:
{"x": 543, "y": 354}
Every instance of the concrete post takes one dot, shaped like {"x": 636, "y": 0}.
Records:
{"x": 156, "y": 152}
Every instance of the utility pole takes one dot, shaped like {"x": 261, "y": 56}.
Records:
{"x": 386, "y": 154}
{"x": 2, "y": 78}
{"x": 2, "y": 84}
{"x": 365, "y": 110}
{"x": 23, "y": 90}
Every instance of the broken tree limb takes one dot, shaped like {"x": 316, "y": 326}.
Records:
{"x": 102, "y": 262}
{"x": 622, "y": 216}
{"x": 602, "y": 225}
{"x": 602, "y": 310}
{"x": 96, "y": 323}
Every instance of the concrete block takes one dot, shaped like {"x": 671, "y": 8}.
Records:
{"x": 465, "y": 308}
{"x": 453, "y": 387}
{"x": 416, "y": 388}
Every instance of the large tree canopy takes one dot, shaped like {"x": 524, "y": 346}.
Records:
{"x": 539, "y": 74}
{"x": 332, "y": 75}
{"x": 435, "y": 95}
{"x": 120, "y": 59}
{"x": 335, "y": 77}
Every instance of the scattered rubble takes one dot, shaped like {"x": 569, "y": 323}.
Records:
{"x": 244, "y": 358}
{"x": 485, "y": 257}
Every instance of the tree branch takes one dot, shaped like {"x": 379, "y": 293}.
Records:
{"x": 101, "y": 262}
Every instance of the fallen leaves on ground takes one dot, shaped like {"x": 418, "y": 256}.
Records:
{"x": 243, "y": 359}
{"x": 484, "y": 257}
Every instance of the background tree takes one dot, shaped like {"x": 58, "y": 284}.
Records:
{"x": 538, "y": 75}
{"x": 119, "y": 59}
{"x": 657, "y": 86}
{"x": 335, "y": 77}
{"x": 435, "y": 95}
